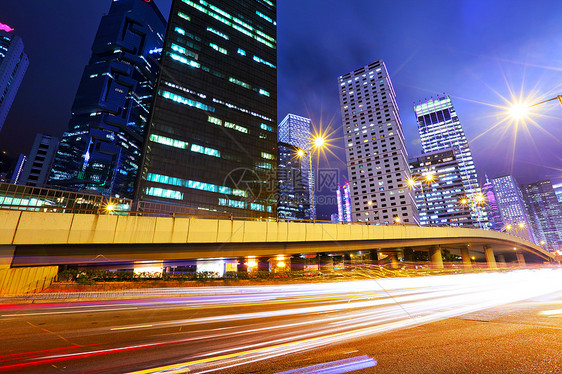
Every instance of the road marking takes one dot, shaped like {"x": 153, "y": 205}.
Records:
{"x": 130, "y": 327}
{"x": 64, "y": 312}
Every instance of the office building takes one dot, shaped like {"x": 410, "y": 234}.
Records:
{"x": 13, "y": 65}
{"x": 39, "y": 162}
{"x": 212, "y": 142}
{"x": 439, "y": 189}
{"x": 511, "y": 205}
{"x": 558, "y": 191}
{"x": 491, "y": 205}
{"x": 102, "y": 147}
{"x": 293, "y": 184}
{"x": 545, "y": 212}
{"x": 440, "y": 128}
{"x": 294, "y": 134}
{"x": 377, "y": 161}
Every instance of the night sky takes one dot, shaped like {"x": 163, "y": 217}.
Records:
{"x": 479, "y": 52}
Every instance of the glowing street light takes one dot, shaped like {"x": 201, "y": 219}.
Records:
{"x": 317, "y": 142}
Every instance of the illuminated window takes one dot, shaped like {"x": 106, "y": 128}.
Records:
{"x": 267, "y": 156}
{"x": 216, "y": 32}
{"x": 179, "y": 30}
{"x": 236, "y": 127}
{"x": 263, "y": 126}
{"x": 215, "y": 120}
{"x": 185, "y": 101}
{"x": 168, "y": 141}
{"x": 205, "y": 150}
{"x": 217, "y": 48}
{"x": 160, "y": 192}
{"x": 239, "y": 82}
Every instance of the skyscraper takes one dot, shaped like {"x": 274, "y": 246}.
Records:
{"x": 13, "y": 65}
{"x": 377, "y": 161}
{"x": 213, "y": 130}
{"x": 492, "y": 210}
{"x": 558, "y": 191}
{"x": 439, "y": 189}
{"x": 39, "y": 162}
{"x": 545, "y": 212}
{"x": 294, "y": 133}
{"x": 102, "y": 148}
{"x": 440, "y": 128}
{"x": 512, "y": 207}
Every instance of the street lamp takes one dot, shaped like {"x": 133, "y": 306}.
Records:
{"x": 429, "y": 178}
{"x": 520, "y": 110}
{"x": 317, "y": 142}
{"x": 474, "y": 201}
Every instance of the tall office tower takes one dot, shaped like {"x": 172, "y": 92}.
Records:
{"x": 213, "y": 129}
{"x": 558, "y": 191}
{"x": 439, "y": 189}
{"x": 102, "y": 148}
{"x": 344, "y": 203}
{"x": 439, "y": 129}
{"x": 546, "y": 213}
{"x": 18, "y": 169}
{"x": 293, "y": 199}
{"x": 492, "y": 210}
{"x": 295, "y": 131}
{"x": 377, "y": 161}
{"x": 40, "y": 160}
{"x": 512, "y": 207}
{"x": 13, "y": 65}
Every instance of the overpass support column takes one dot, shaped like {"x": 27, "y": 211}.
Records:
{"x": 6, "y": 256}
{"x": 466, "y": 261}
{"x": 408, "y": 254}
{"x": 520, "y": 259}
{"x": 490, "y": 259}
{"x": 393, "y": 260}
{"x": 501, "y": 260}
{"x": 435, "y": 257}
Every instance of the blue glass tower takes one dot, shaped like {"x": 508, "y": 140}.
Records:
{"x": 212, "y": 140}
{"x": 102, "y": 148}
{"x": 13, "y": 65}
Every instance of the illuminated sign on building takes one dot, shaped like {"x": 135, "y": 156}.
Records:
{"x": 6, "y": 28}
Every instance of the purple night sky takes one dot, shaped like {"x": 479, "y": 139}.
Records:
{"x": 478, "y": 52}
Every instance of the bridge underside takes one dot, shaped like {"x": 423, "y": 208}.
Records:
{"x": 92, "y": 254}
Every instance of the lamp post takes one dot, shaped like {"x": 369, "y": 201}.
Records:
{"x": 429, "y": 178}
{"x": 474, "y": 202}
{"x": 317, "y": 142}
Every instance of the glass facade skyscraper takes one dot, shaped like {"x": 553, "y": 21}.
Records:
{"x": 492, "y": 210}
{"x": 212, "y": 142}
{"x": 294, "y": 133}
{"x": 440, "y": 128}
{"x": 377, "y": 161}
{"x": 438, "y": 199}
{"x": 512, "y": 207}
{"x": 13, "y": 65}
{"x": 344, "y": 203}
{"x": 102, "y": 148}
{"x": 545, "y": 212}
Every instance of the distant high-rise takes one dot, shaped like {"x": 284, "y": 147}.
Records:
{"x": 294, "y": 133}
{"x": 39, "y": 162}
{"x": 440, "y": 128}
{"x": 13, "y": 65}
{"x": 558, "y": 191}
{"x": 377, "y": 161}
{"x": 293, "y": 198}
{"x": 439, "y": 189}
{"x": 212, "y": 142}
{"x": 102, "y": 148}
{"x": 491, "y": 204}
{"x": 545, "y": 212}
{"x": 512, "y": 207}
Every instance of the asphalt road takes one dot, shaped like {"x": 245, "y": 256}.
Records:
{"x": 470, "y": 323}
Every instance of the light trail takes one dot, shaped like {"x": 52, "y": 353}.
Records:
{"x": 274, "y": 321}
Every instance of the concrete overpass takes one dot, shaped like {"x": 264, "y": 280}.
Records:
{"x": 42, "y": 239}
